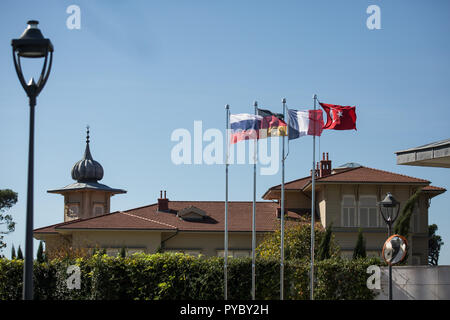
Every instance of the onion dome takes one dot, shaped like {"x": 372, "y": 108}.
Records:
{"x": 87, "y": 169}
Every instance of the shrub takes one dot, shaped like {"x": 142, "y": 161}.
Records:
{"x": 177, "y": 276}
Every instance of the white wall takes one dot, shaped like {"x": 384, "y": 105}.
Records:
{"x": 416, "y": 283}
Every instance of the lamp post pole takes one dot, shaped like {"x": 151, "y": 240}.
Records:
{"x": 389, "y": 209}
{"x": 31, "y": 44}
{"x": 389, "y": 224}
{"x": 28, "y": 263}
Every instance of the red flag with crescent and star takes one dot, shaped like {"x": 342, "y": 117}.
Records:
{"x": 339, "y": 117}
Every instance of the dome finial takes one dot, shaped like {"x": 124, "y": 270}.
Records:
{"x": 87, "y": 169}
{"x": 87, "y": 134}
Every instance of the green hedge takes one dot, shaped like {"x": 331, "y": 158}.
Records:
{"x": 178, "y": 276}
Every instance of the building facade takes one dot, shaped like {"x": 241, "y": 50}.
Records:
{"x": 346, "y": 200}
{"x": 191, "y": 227}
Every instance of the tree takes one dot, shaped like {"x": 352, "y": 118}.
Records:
{"x": 297, "y": 240}
{"x": 122, "y": 252}
{"x": 403, "y": 222}
{"x": 13, "y": 253}
{"x": 19, "y": 254}
{"x": 40, "y": 256}
{"x": 360, "y": 248}
{"x": 434, "y": 245}
{"x": 8, "y": 198}
{"x": 324, "y": 247}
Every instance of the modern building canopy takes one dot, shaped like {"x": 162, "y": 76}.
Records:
{"x": 436, "y": 154}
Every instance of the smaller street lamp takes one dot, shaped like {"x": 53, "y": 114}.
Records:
{"x": 389, "y": 209}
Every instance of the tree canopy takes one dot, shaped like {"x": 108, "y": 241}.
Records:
{"x": 434, "y": 245}
{"x": 403, "y": 222}
{"x": 8, "y": 198}
{"x": 360, "y": 247}
{"x": 324, "y": 251}
{"x": 297, "y": 240}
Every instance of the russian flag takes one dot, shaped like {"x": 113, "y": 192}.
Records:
{"x": 244, "y": 126}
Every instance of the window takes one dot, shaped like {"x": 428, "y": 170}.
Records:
{"x": 235, "y": 253}
{"x": 190, "y": 252}
{"x": 114, "y": 251}
{"x": 368, "y": 214}
{"x": 194, "y": 253}
{"x": 131, "y": 251}
{"x": 73, "y": 210}
{"x": 98, "y": 209}
{"x": 349, "y": 211}
{"x": 241, "y": 253}
{"x": 191, "y": 213}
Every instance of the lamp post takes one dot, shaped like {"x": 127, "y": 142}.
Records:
{"x": 389, "y": 209}
{"x": 31, "y": 44}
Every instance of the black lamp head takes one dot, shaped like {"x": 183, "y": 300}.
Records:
{"x": 389, "y": 201}
{"x": 389, "y": 208}
{"x": 32, "y": 43}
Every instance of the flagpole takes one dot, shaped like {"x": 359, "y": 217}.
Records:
{"x": 313, "y": 178}
{"x": 282, "y": 212}
{"x": 225, "y": 267}
{"x": 255, "y": 104}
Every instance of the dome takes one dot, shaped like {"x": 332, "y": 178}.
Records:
{"x": 349, "y": 165}
{"x": 87, "y": 169}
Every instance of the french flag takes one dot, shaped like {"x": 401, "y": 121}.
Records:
{"x": 304, "y": 122}
{"x": 244, "y": 126}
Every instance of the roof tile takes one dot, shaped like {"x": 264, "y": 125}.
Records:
{"x": 149, "y": 218}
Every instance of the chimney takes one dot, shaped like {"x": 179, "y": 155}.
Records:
{"x": 279, "y": 212}
{"x": 325, "y": 166}
{"x": 163, "y": 203}
{"x": 317, "y": 171}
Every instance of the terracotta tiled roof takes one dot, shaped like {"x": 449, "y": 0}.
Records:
{"x": 149, "y": 218}
{"x": 433, "y": 188}
{"x": 298, "y": 184}
{"x": 240, "y": 213}
{"x": 294, "y": 184}
{"x": 370, "y": 175}
{"x": 357, "y": 175}
{"x": 50, "y": 229}
{"x": 117, "y": 220}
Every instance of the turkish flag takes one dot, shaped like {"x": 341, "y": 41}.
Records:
{"x": 339, "y": 117}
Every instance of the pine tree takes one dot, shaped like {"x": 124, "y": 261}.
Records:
{"x": 40, "y": 253}
{"x": 434, "y": 245}
{"x": 360, "y": 248}
{"x": 324, "y": 247}
{"x": 19, "y": 254}
{"x": 7, "y": 199}
{"x": 402, "y": 224}
{"x": 122, "y": 252}
{"x": 13, "y": 253}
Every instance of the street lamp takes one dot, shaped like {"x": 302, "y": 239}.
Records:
{"x": 31, "y": 44}
{"x": 389, "y": 209}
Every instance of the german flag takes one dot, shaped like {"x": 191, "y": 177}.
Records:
{"x": 272, "y": 124}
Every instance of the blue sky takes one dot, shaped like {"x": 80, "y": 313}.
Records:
{"x": 137, "y": 70}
